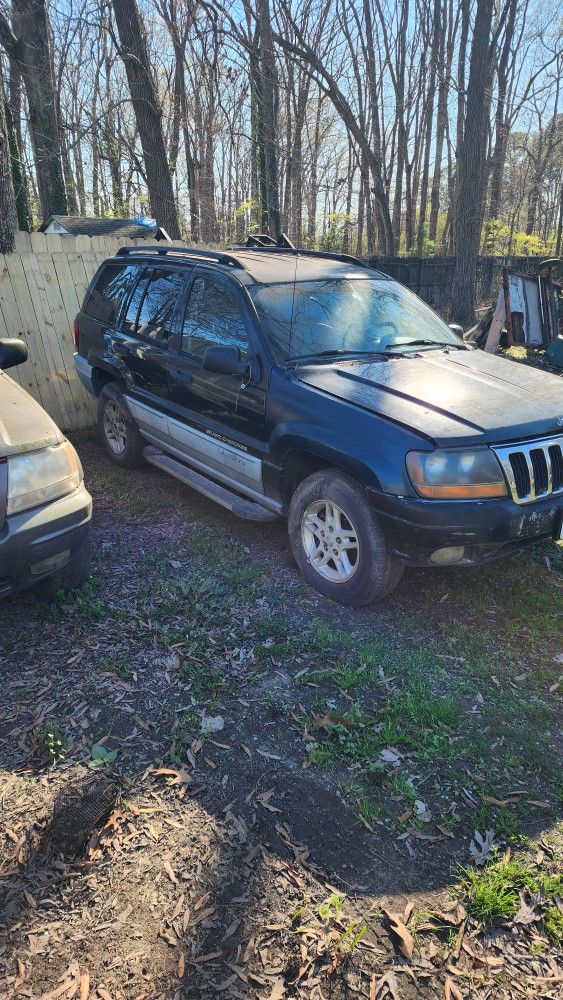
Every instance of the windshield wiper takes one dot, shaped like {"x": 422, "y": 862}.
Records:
{"x": 335, "y": 353}
{"x": 424, "y": 343}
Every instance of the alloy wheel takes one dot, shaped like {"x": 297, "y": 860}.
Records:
{"x": 330, "y": 541}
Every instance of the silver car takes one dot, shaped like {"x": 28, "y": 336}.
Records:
{"x": 45, "y": 509}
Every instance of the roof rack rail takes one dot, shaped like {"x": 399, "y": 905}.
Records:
{"x": 344, "y": 258}
{"x": 171, "y": 251}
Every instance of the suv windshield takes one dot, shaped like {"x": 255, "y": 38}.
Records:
{"x": 347, "y": 315}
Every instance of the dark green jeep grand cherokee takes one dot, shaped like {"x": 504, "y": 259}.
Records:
{"x": 291, "y": 383}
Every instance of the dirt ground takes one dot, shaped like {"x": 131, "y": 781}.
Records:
{"x": 215, "y": 783}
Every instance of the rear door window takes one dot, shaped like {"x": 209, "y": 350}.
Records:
{"x": 105, "y": 298}
{"x": 159, "y": 304}
{"x": 152, "y": 305}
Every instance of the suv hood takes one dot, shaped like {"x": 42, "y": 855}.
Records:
{"x": 456, "y": 397}
{"x": 24, "y": 425}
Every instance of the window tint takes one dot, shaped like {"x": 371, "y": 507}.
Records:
{"x": 157, "y": 295}
{"x": 213, "y": 318}
{"x": 130, "y": 322}
{"x": 104, "y": 300}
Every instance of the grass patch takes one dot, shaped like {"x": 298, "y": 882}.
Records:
{"x": 492, "y": 894}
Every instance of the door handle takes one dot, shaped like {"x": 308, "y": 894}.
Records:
{"x": 182, "y": 376}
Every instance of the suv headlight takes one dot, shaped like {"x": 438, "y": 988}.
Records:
{"x": 456, "y": 475}
{"x": 37, "y": 477}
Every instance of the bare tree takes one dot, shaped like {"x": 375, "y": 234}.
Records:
{"x": 133, "y": 50}
{"x": 27, "y": 43}
{"x": 8, "y": 215}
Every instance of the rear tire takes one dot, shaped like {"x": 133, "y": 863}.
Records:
{"x": 338, "y": 543}
{"x": 119, "y": 432}
{"x": 72, "y": 575}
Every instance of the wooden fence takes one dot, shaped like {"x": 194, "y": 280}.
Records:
{"x": 42, "y": 286}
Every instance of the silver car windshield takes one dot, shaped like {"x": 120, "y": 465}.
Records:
{"x": 347, "y": 315}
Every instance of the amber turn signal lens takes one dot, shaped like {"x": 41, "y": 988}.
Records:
{"x": 467, "y": 492}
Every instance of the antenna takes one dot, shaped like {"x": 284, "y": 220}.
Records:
{"x": 292, "y": 305}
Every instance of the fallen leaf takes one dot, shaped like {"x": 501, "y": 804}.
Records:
{"x": 170, "y": 872}
{"x": 231, "y": 928}
{"x": 278, "y": 990}
{"x": 84, "y": 986}
{"x": 526, "y": 914}
{"x": 451, "y": 991}
{"x": 179, "y": 777}
{"x": 386, "y": 989}
{"x": 481, "y": 847}
{"x": 429, "y": 837}
{"x": 444, "y": 830}
{"x": 207, "y": 958}
{"x": 406, "y": 940}
{"x": 58, "y": 992}
{"x": 264, "y": 800}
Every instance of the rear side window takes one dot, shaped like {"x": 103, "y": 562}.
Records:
{"x": 105, "y": 297}
{"x": 152, "y": 305}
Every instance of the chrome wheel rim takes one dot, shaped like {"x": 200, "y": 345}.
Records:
{"x": 115, "y": 428}
{"x": 330, "y": 541}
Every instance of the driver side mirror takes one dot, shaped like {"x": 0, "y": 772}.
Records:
{"x": 226, "y": 360}
{"x": 12, "y": 352}
{"x": 456, "y": 328}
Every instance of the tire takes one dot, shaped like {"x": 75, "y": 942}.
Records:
{"x": 119, "y": 432}
{"x": 72, "y": 575}
{"x": 328, "y": 501}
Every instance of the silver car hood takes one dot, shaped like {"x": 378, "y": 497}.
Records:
{"x": 24, "y": 425}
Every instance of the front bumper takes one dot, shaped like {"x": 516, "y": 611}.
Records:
{"x": 31, "y": 540}
{"x": 416, "y": 528}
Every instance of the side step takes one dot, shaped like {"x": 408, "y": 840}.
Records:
{"x": 241, "y": 507}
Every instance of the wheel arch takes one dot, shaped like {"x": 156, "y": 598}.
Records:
{"x": 103, "y": 373}
{"x": 302, "y": 459}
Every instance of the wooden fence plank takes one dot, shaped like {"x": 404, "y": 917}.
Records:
{"x": 38, "y": 367}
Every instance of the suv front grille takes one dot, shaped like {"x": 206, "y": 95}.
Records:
{"x": 533, "y": 470}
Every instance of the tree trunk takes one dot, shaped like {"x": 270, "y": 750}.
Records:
{"x": 401, "y": 129}
{"x": 148, "y": 114}
{"x": 19, "y": 179}
{"x": 269, "y": 114}
{"x": 8, "y": 217}
{"x": 28, "y": 47}
{"x": 471, "y": 168}
{"x": 436, "y": 33}
{"x": 314, "y": 181}
{"x": 501, "y": 125}
{"x": 444, "y": 63}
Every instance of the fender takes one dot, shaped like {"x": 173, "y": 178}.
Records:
{"x": 334, "y": 450}
{"x": 113, "y": 365}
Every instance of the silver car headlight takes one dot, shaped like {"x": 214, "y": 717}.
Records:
{"x": 37, "y": 477}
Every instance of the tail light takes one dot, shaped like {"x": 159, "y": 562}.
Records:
{"x": 75, "y": 332}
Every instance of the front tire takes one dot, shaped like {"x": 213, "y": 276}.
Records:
{"x": 119, "y": 432}
{"x": 338, "y": 543}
